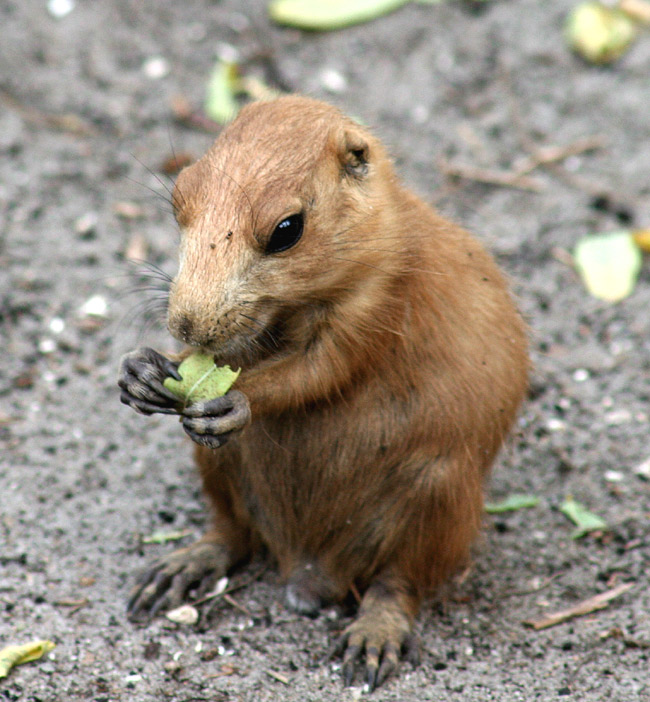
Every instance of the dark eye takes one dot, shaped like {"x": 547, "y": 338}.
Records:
{"x": 285, "y": 235}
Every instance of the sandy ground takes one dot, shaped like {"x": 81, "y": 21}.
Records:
{"x": 83, "y": 479}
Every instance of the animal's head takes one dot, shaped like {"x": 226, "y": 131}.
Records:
{"x": 275, "y": 223}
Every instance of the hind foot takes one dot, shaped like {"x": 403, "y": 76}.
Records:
{"x": 383, "y": 630}
{"x": 166, "y": 583}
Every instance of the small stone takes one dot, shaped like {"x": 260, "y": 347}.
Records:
{"x": 156, "y": 67}
{"x": 47, "y": 346}
{"x": 614, "y": 476}
{"x": 95, "y": 306}
{"x": 643, "y": 470}
{"x": 60, "y": 8}
{"x": 57, "y": 325}
{"x": 185, "y": 614}
{"x": 85, "y": 225}
{"x": 333, "y": 81}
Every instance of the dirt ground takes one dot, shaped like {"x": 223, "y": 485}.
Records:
{"x": 84, "y": 127}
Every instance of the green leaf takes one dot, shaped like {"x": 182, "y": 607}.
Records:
{"x": 163, "y": 537}
{"x": 17, "y": 655}
{"x": 329, "y": 14}
{"x": 599, "y": 33}
{"x": 585, "y": 520}
{"x": 511, "y": 504}
{"x": 609, "y": 264}
{"x": 223, "y": 84}
{"x": 201, "y": 379}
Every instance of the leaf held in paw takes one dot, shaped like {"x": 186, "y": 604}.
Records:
{"x": 201, "y": 379}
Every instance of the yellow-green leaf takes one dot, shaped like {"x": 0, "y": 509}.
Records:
{"x": 585, "y": 520}
{"x": 600, "y": 34}
{"x": 642, "y": 239}
{"x": 201, "y": 379}
{"x": 163, "y": 537}
{"x": 329, "y": 14}
{"x": 220, "y": 103}
{"x": 609, "y": 264}
{"x": 511, "y": 503}
{"x": 16, "y": 655}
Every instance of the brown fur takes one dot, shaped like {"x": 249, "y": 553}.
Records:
{"x": 395, "y": 370}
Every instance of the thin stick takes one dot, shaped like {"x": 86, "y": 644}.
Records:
{"x": 593, "y": 604}
{"x": 507, "y": 179}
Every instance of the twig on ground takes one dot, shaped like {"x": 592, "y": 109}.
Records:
{"x": 593, "y": 604}
{"x": 508, "y": 179}
{"x": 68, "y": 122}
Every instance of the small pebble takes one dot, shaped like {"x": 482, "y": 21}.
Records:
{"x": 95, "y": 306}
{"x": 555, "y": 425}
{"x": 643, "y": 470}
{"x": 581, "y": 375}
{"x": 333, "y": 81}
{"x": 57, "y": 325}
{"x": 156, "y": 67}
{"x": 614, "y": 476}
{"x": 47, "y": 345}
{"x": 60, "y": 8}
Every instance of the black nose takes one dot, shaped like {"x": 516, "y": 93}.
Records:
{"x": 185, "y": 328}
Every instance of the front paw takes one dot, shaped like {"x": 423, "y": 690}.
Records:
{"x": 213, "y": 422}
{"x": 141, "y": 377}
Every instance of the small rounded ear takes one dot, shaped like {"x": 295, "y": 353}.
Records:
{"x": 354, "y": 154}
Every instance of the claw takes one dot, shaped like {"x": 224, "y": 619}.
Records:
{"x": 211, "y": 423}
{"x": 168, "y": 581}
{"x": 142, "y": 373}
{"x": 351, "y": 654}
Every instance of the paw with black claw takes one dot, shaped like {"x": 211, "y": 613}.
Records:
{"x": 141, "y": 377}
{"x": 167, "y": 583}
{"x": 383, "y": 642}
{"x": 213, "y": 422}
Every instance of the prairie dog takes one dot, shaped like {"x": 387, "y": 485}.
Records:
{"x": 383, "y": 363}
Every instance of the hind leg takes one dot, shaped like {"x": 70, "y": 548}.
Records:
{"x": 433, "y": 545}
{"x": 381, "y": 632}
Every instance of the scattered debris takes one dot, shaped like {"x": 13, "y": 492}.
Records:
{"x": 95, "y": 306}
{"x": 67, "y": 122}
{"x": 278, "y": 676}
{"x": 128, "y": 210}
{"x": 642, "y": 239}
{"x": 508, "y": 179}
{"x": 511, "y": 504}
{"x": 638, "y": 10}
{"x": 185, "y": 614}
{"x": 176, "y": 162}
{"x": 17, "y": 655}
{"x": 220, "y": 103}
{"x": 585, "y": 520}
{"x": 224, "y": 671}
{"x": 156, "y": 67}
{"x": 609, "y": 264}
{"x": 326, "y": 15}
{"x": 163, "y": 537}
{"x": 643, "y": 470}
{"x": 598, "y": 32}
{"x": 74, "y": 605}
{"x": 137, "y": 248}
{"x": 588, "y": 606}
{"x": 86, "y": 225}
{"x": 60, "y": 8}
